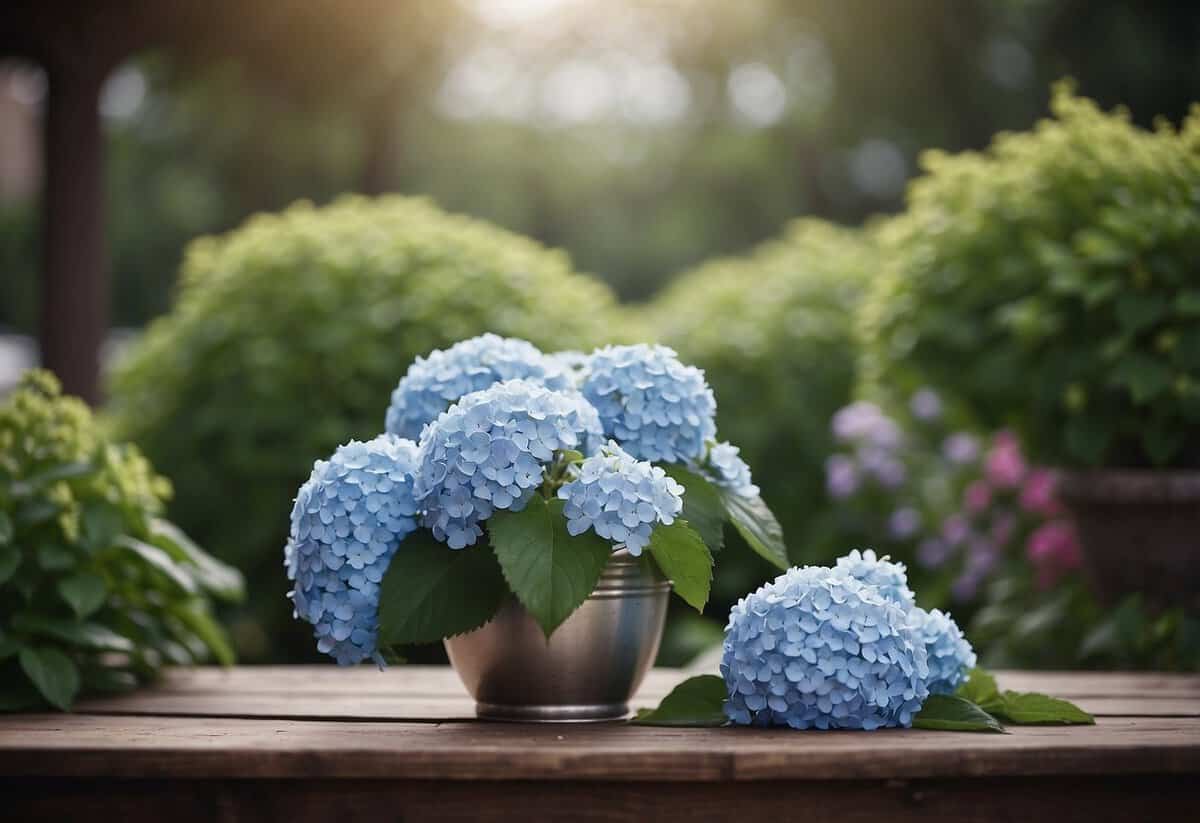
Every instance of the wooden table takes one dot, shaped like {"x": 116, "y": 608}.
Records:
{"x": 321, "y": 743}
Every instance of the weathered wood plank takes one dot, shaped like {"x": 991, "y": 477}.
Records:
{"x": 432, "y": 708}
{"x": 1094, "y": 799}
{"x": 180, "y": 747}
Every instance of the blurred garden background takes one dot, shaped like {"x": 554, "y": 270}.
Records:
{"x": 293, "y": 206}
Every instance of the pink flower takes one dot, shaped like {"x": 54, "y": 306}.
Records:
{"x": 978, "y": 497}
{"x": 1005, "y": 466}
{"x": 1004, "y": 525}
{"x": 1053, "y": 549}
{"x": 1038, "y": 493}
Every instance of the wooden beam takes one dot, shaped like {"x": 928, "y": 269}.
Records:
{"x": 75, "y": 272}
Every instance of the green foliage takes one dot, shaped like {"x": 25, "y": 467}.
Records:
{"x": 286, "y": 340}
{"x": 1050, "y": 281}
{"x": 696, "y": 701}
{"x": 97, "y": 591}
{"x": 950, "y": 713}
{"x": 550, "y": 571}
{"x": 774, "y": 333}
{"x": 683, "y": 557}
{"x": 431, "y": 592}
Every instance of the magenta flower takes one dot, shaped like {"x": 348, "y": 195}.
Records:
{"x": 1005, "y": 465}
{"x": 1038, "y": 493}
{"x": 1053, "y": 549}
{"x": 978, "y": 497}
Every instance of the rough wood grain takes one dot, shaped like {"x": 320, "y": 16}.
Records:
{"x": 1095, "y": 800}
{"x": 177, "y": 747}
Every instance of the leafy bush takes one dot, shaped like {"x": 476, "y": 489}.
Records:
{"x": 1051, "y": 280}
{"x": 287, "y": 339}
{"x": 98, "y": 592}
{"x": 774, "y": 333}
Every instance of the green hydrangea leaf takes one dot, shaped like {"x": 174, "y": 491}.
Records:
{"x": 84, "y": 592}
{"x": 215, "y": 577}
{"x": 757, "y": 525}
{"x": 979, "y": 688}
{"x": 6, "y": 529}
{"x": 1145, "y": 377}
{"x": 683, "y": 557}
{"x": 84, "y": 635}
{"x": 160, "y": 561}
{"x": 1188, "y": 302}
{"x": 1136, "y": 312}
{"x": 702, "y": 507}
{"x": 549, "y": 571}
{"x": 944, "y": 712}
{"x": 10, "y": 560}
{"x": 54, "y": 558}
{"x": 431, "y": 591}
{"x": 1035, "y": 709}
{"x": 206, "y": 629}
{"x": 696, "y": 701}
{"x": 53, "y": 673}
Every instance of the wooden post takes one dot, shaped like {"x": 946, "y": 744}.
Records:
{"x": 75, "y": 278}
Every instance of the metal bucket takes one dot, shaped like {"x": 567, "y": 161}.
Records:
{"x": 587, "y": 670}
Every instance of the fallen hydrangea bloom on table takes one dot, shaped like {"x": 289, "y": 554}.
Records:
{"x": 848, "y": 648}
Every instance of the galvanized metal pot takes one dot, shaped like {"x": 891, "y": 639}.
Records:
{"x": 587, "y": 670}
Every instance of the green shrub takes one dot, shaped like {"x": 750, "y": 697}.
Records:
{"x": 1051, "y": 281}
{"x": 287, "y": 339}
{"x": 96, "y": 592}
{"x": 774, "y": 333}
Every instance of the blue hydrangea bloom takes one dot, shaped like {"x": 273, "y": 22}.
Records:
{"x": 432, "y": 383}
{"x": 948, "y": 651}
{"x": 817, "y": 648}
{"x": 621, "y": 498}
{"x": 890, "y": 578}
{"x": 488, "y": 450}
{"x": 576, "y": 364}
{"x": 657, "y": 408}
{"x": 348, "y": 519}
{"x": 725, "y": 467}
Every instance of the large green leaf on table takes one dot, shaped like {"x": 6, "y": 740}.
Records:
{"x": 213, "y": 576}
{"x": 702, "y": 506}
{"x": 550, "y": 571}
{"x": 431, "y": 591}
{"x": 53, "y": 673}
{"x": 757, "y": 525}
{"x": 979, "y": 688}
{"x": 696, "y": 701}
{"x": 84, "y": 592}
{"x": 683, "y": 557}
{"x": 944, "y": 712}
{"x": 1034, "y": 709}
{"x": 84, "y": 635}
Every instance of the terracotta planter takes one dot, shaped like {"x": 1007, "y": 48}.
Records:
{"x": 1140, "y": 532}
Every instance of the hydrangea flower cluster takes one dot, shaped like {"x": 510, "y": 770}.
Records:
{"x": 841, "y": 647}
{"x": 656, "y": 407}
{"x": 432, "y": 383}
{"x": 621, "y": 498}
{"x": 487, "y": 452}
{"x": 725, "y": 467}
{"x": 817, "y": 648}
{"x": 947, "y": 651}
{"x": 890, "y": 578}
{"x": 347, "y": 521}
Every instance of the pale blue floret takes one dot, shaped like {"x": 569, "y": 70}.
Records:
{"x": 432, "y": 383}
{"x": 817, "y": 648}
{"x": 950, "y": 655}
{"x": 487, "y": 452}
{"x": 725, "y": 467}
{"x": 891, "y": 578}
{"x": 620, "y": 498}
{"x": 657, "y": 408}
{"x": 347, "y": 521}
